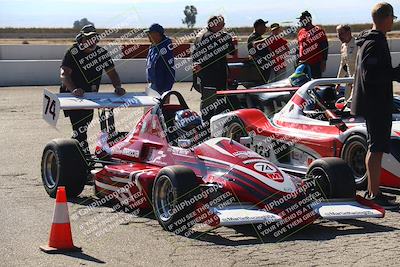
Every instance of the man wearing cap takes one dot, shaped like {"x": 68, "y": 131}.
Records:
{"x": 373, "y": 96}
{"x": 313, "y": 45}
{"x": 210, "y": 66}
{"x": 348, "y": 54}
{"x": 258, "y": 49}
{"x": 279, "y": 50}
{"x": 81, "y": 70}
{"x": 260, "y": 29}
{"x": 160, "y": 70}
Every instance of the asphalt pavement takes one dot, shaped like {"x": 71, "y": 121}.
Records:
{"x": 112, "y": 238}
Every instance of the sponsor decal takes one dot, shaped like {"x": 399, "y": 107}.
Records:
{"x": 157, "y": 157}
{"x": 246, "y": 154}
{"x": 265, "y": 167}
{"x": 130, "y": 152}
{"x": 179, "y": 151}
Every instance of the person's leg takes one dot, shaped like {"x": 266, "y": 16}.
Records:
{"x": 207, "y": 106}
{"x": 316, "y": 71}
{"x": 373, "y": 161}
{"x": 379, "y": 129}
{"x": 80, "y": 119}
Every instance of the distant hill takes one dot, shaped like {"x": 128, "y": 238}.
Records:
{"x": 69, "y": 33}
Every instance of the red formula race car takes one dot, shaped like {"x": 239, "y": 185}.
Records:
{"x": 309, "y": 127}
{"x": 186, "y": 180}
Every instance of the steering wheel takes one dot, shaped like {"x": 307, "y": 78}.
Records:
{"x": 165, "y": 96}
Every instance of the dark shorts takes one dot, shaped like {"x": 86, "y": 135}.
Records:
{"x": 379, "y": 129}
{"x": 316, "y": 71}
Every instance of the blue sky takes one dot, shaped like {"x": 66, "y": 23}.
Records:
{"x": 141, "y": 13}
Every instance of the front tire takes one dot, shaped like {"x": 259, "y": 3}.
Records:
{"x": 63, "y": 164}
{"x": 172, "y": 194}
{"x": 353, "y": 153}
{"x": 334, "y": 178}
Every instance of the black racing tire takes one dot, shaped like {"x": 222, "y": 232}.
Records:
{"x": 334, "y": 178}
{"x": 63, "y": 164}
{"x": 234, "y": 128}
{"x": 173, "y": 201}
{"x": 353, "y": 153}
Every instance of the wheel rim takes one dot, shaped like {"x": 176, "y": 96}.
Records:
{"x": 50, "y": 169}
{"x": 322, "y": 179}
{"x": 235, "y": 131}
{"x": 165, "y": 198}
{"x": 355, "y": 158}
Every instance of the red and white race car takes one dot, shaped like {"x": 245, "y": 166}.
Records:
{"x": 307, "y": 128}
{"x": 216, "y": 182}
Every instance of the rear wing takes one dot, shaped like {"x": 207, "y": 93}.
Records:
{"x": 257, "y": 91}
{"x": 53, "y": 103}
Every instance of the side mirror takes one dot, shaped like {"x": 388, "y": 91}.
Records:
{"x": 246, "y": 141}
{"x": 335, "y": 121}
{"x": 338, "y": 123}
{"x": 184, "y": 143}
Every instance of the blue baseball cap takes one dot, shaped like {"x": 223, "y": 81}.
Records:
{"x": 155, "y": 28}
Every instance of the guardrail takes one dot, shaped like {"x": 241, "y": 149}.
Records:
{"x": 46, "y": 72}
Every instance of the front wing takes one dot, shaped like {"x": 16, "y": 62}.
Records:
{"x": 334, "y": 209}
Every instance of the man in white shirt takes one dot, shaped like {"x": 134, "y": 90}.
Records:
{"x": 348, "y": 53}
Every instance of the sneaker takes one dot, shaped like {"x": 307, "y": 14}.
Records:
{"x": 382, "y": 201}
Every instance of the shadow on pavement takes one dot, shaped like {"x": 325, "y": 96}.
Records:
{"x": 90, "y": 201}
{"x": 81, "y": 255}
{"x": 248, "y": 234}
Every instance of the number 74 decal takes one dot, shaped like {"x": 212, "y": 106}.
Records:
{"x": 51, "y": 107}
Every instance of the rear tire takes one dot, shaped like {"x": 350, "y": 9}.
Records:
{"x": 353, "y": 153}
{"x": 63, "y": 164}
{"x": 172, "y": 194}
{"x": 234, "y": 128}
{"x": 334, "y": 178}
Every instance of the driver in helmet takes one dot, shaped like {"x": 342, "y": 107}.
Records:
{"x": 301, "y": 75}
{"x": 188, "y": 124}
{"x": 327, "y": 97}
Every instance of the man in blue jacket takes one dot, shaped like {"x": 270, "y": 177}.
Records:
{"x": 160, "y": 70}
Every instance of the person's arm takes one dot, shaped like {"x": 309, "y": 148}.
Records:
{"x": 65, "y": 76}
{"x": 341, "y": 72}
{"x": 197, "y": 55}
{"x": 396, "y": 74}
{"x": 67, "y": 66}
{"x": 113, "y": 75}
{"x": 351, "y": 62}
{"x": 232, "y": 48}
{"x": 165, "y": 72}
{"x": 116, "y": 81}
{"x": 324, "y": 45}
{"x": 375, "y": 69}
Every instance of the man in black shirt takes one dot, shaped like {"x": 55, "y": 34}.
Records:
{"x": 260, "y": 28}
{"x": 373, "y": 95}
{"x": 259, "y": 51}
{"x": 210, "y": 66}
{"x": 81, "y": 71}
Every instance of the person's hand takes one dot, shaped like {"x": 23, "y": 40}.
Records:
{"x": 337, "y": 88}
{"x": 119, "y": 91}
{"x": 323, "y": 66}
{"x": 78, "y": 92}
{"x": 196, "y": 68}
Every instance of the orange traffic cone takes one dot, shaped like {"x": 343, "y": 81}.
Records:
{"x": 60, "y": 234}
